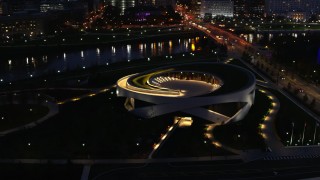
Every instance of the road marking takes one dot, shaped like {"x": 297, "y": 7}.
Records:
{"x": 85, "y": 172}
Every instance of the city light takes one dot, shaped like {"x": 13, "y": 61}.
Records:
{"x": 229, "y": 81}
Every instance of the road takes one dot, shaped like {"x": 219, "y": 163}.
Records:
{"x": 214, "y": 170}
{"x": 279, "y": 151}
{"x": 262, "y": 56}
{"x": 237, "y": 46}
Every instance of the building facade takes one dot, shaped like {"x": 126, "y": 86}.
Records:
{"x": 145, "y": 2}
{"x": 295, "y": 9}
{"x": 249, "y": 8}
{"x": 3, "y": 7}
{"x": 46, "y": 6}
{"x": 27, "y": 24}
{"x": 217, "y": 8}
{"x": 239, "y": 7}
{"x": 195, "y": 7}
{"x": 164, "y": 3}
{"x": 123, "y": 4}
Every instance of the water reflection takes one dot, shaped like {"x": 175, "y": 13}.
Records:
{"x": 12, "y": 68}
{"x": 113, "y": 50}
{"x": 45, "y": 59}
{"x": 270, "y": 37}
{"x": 258, "y": 37}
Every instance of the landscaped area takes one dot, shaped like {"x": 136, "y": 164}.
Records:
{"x": 16, "y": 115}
{"x": 96, "y": 127}
{"x": 190, "y": 142}
{"x": 245, "y": 134}
{"x": 294, "y": 126}
{"x": 237, "y": 62}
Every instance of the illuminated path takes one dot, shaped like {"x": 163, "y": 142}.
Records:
{"x": 90, "y": 94}
{"x": 50, "y": 102}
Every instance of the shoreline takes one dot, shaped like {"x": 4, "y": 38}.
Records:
{"x": 54, "y": 48}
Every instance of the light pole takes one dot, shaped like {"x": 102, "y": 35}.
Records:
{"x": 291, "y": 138}
{"x": 315, "y": 132}
{"x": 315, "y": 76}
{"x": 304, "y": 130}
{"x": 282, "y": 70}
{"x": 216, "y": 53}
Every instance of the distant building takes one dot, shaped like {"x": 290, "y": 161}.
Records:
{"x": 142, "y": 13}
{"x": 249, "y": 8}
{"x": 46, "y": 5}
{"x": 3, "y": 7}
{"x": 295, "y": 9}
{"x": 156, "y": 3}
{"x": 32, "y": 5}
{"x": 164, "y": 3}
{"x": 239, "y": 7}
{"x": 22, "y": 23}
{"x": 256, "y": 8}
{"x": 145, "y": 2}
{"x": 207, "y": 17}
{"x": 93, "y": 5}
{"x": 217, "y": 8}
{"x": 59, "y": 5}
{"x": 195, "y": 7}
{"x": 123, "y": 4}
{"x": 15, "y": 6}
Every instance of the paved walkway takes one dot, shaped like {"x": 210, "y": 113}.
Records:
{"x": 164, "y": 138}
{"x": 85, "y": 172}
{"x": 115, "y": 161}
{"x": 93, "y": 92}
{"x": 210, "y": 136}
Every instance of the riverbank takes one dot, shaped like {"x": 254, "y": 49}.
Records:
{"x": 87, "y": 41}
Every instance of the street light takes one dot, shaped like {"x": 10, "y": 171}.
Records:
{"x": 282, "y": 71}
{"x": 315, "y": 132}
{"x": 291, "y": 138}
{"x": 303, "y": 133}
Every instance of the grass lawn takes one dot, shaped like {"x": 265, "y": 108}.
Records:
{"x": 189, "y": 142}
{"x": 247, "y": 128}
{"x": 304, "y": 125}
{"x": 60, "y": 95}
{"x": 97, "y": 127}
{"x": 40, "y": 171}
{"x": 239, "y": 63}
{"x": 12, "y": 116}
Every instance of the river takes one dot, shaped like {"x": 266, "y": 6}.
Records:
{"x": 21, "y": 67}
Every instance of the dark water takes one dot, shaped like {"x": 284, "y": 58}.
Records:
{"x": 294, "y": 45}
{"x": 318, "y": 57}
{"x": 14, "y": 68}
{"x": 268, "y": 37}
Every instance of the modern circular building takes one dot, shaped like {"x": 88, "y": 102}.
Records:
{"x": 212, "y": 91}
